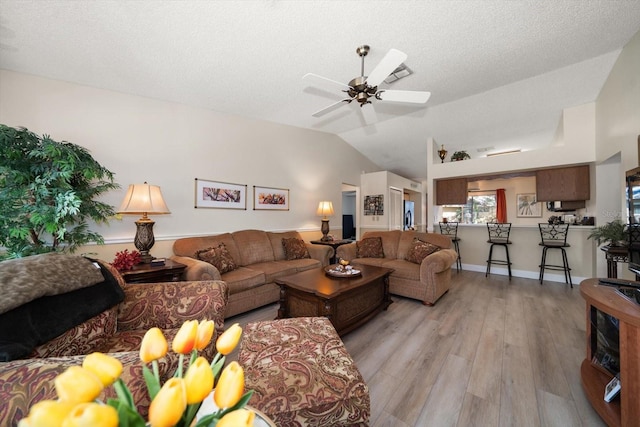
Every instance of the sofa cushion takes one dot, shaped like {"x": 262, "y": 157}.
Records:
{"x": 190, "y": 245}
{"x": 295, "y": 249}
{"x": 219, "y": 257}
{"x": 29, "y": 278}
{"x": 81, "y": 339}
{"x": 47, "y": 317}
{"x": 390, "y": 241}
{"x": 403, "y": 269}
{"x": 276, "y": 242}
{"x": 31, "y": 381}
{"x": 420, "y": 250}
{"x": 254, "y": 246}
{"x": 371, "y": 247}
{"x": 274, "y": 269}
{"x": 243, "y": 278}
{"x": 406, "y": 241}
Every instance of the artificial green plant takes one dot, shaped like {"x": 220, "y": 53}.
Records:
{"x": 48, "y": 192}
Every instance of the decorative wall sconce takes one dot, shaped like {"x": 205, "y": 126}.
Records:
{"x": 442, "y": 153}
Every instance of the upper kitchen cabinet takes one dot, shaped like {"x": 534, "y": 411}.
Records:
{"x": 563, "y": 184}
{"x": 451, "y": 191}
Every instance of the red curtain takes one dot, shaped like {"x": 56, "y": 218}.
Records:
{"x": 501, "y": 208}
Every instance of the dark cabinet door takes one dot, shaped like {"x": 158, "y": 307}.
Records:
{"x": 451, "y": 191}
{"x": 563, "y": 184}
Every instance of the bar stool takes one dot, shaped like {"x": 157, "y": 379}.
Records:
{"x": 554, "y": 236}
{"x": 451, "y": 229}
{"x": 499, "y": 236}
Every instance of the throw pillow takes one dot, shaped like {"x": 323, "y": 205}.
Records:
{"x": 295, "y": 248}
{"x": 370, "y": 247}
{"x": 219, "y": 257}
{"x": 420, "y": 250}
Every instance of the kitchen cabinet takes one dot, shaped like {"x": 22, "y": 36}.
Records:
{"x": 563, "y": 184}
{"x": 451, "y": 191}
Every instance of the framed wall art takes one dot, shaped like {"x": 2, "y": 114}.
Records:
{"x": 223, "y": 195}
{"x": 272, "y": 199}
{"x": 374, "y": 205}
{"x": 528, "y": 206}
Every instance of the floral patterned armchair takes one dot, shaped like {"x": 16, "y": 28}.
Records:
{"x": 118, "y": 331}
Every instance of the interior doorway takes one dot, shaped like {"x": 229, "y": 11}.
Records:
{"x": 350, "y": 211}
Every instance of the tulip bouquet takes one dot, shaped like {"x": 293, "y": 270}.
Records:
{"x": 174, "y": 403}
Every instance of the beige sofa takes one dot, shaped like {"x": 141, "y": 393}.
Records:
{"x": 427, "y": 281}
{"x": 260, "y": 259}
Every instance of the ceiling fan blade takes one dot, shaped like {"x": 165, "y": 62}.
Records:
{"x": 410, "y": 96}
{"x": 323, "y": 81}
{"x": 332, "y": 107}
{"x": 390, "y": 62}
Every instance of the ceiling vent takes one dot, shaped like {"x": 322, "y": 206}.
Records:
{"x": 399, "y": 73}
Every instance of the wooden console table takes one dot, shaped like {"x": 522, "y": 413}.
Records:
{"x": 614, "y": 255}
{"x": 623, "y": 410}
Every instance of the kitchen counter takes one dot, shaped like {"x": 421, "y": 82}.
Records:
{"x": 526, "y": 253}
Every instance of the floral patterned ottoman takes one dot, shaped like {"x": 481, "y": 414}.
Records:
{"x": 302, "y": 375}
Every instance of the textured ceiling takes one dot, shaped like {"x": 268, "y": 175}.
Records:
{"x": 500, "y": 72}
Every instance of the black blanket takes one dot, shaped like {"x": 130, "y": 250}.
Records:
{"x": 39, "y": 321}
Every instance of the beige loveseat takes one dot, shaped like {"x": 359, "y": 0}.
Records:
{"x": 259, "y": 258}
{"x": 426, "y": 281}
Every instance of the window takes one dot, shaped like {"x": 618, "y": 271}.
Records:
{"x": 480, "y": 209}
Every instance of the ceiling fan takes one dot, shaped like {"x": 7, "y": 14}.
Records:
{"x": 364, "y": 88}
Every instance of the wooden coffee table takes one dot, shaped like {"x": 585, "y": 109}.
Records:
{"x": 348, "y": 302}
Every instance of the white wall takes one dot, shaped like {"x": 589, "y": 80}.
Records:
{"x": 169, "y": 144}
{"x": 617, "y": 131}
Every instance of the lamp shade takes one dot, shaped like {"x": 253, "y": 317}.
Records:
{"x": 325, "y": 209}
{"x": 143, "y": 199}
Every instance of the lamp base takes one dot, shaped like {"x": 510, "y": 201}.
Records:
{"x": 144, "y": 239}
{"x": 325, "y": 230}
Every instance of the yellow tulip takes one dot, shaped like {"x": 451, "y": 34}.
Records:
{"x": 238, "y": 418}
{"x": 78, "y": 385}
{"x": 185, "y": 339}
{"x": 205, "y": 332}
{"x": 169, "y": 404}
{"x": 230, "y": 386}
{"x": 107, "y": 368}
{"x": 198, "y": 380}
{"x": 48, "y": 413}
{"x": 92, "y": 414}
{"x": 154, "y": 345}
{"x": 229, "y": 339}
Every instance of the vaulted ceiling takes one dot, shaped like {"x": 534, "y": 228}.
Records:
{"x": 500, "y": 71}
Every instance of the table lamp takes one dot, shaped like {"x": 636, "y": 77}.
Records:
{"x": 325, "y": 209}
{"x": 144, "y": 199}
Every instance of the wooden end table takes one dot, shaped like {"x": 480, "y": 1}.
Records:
{"x": 171, "y": 271}
{"x": 348, "y": 302}
{"x": 334, "y": 244}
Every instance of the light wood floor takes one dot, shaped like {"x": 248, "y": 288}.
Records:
{"x": 489, "y": 353}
